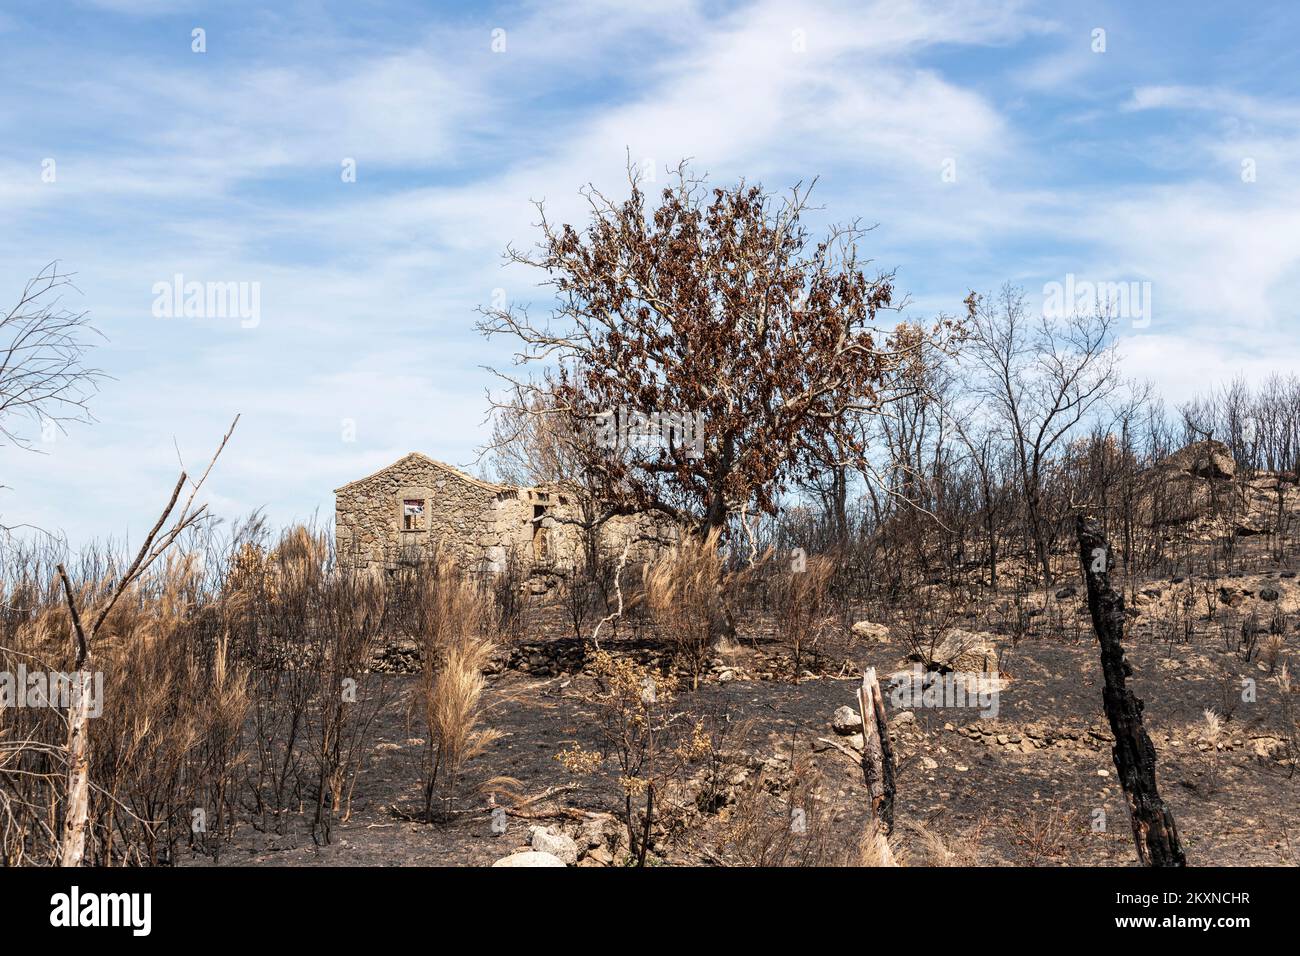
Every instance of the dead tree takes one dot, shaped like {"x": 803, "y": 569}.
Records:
{"x": 1043, "y": 379}
{"x": 1154, "y": 831}
{"x": 43, "y": 375}
{"x": 719, "y": 309}
{"x": 77, "y": 812}
{"x": 877, "y": 767}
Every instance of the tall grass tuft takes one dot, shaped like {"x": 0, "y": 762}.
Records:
{"x": 452, "y": 618}
{"x": 683, "y": 593}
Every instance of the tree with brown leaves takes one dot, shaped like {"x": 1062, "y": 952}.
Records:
{"x": 714, "y": 307}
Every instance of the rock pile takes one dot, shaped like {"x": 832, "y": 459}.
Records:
{"x": 1030, "y": 739}
{"x": 598, "y": 840}
{"x": 564, "y": 655}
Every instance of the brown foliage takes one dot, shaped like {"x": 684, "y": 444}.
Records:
{"x": 716, "y": 302}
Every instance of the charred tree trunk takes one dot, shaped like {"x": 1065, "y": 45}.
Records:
{"x": 1154, "y": 831}
{"x": 877, "y": 767}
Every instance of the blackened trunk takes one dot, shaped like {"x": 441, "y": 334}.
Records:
{"x": 1154, "y": 831}
{"x": 1041, "y": 551}
{"x": 840, "y": 499}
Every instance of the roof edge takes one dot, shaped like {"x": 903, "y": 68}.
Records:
{"x": 455, "y": 472}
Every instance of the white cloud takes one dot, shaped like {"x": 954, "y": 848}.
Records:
{"x": 1212, "y": 99}
{"x": 229, "y": 170}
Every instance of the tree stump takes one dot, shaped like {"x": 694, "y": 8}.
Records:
{"x": 877, "y": 768}
{"x": 1154, "y": 831}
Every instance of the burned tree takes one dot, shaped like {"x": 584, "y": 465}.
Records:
{"x": 76, "y": 812}
{"x": 718, "y": 310}
{"x": 44, "y": 379}
{"x": 877, "y": 768}
{"x": 43, "y": 375}
{"x": 1154, "y": 832}
{"x": 1043, "y": 378}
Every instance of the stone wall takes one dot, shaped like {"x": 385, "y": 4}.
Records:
{"x": 476, "y": 523}
{"x": 459, "y": 519}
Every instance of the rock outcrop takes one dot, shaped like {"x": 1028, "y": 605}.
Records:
{"x": 1204, "y": 459}
{"x": 1194, "y": 482}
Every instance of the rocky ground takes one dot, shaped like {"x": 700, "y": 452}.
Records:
{"x": 772, "y": 777}
{"x": 1032, "y": 784}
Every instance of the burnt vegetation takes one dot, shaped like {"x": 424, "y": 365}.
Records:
{"x": 870, "y": 494}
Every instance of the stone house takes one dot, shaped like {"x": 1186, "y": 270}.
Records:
{"x": 417, "y": 507}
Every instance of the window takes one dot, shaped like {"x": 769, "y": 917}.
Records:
{"x": 412, "y": 514}
{"x": 541, "y": 534}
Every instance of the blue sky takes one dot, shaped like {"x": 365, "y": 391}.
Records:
{"x": 225, "y": 166}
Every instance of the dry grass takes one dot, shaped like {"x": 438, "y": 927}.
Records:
{"x": 929, "y": 848}
{"x": 1212, "y": 734}
{"x": 789, "y": 820}
{"x": 801, "y": 602}
{"x": 451, "y": 617}
{"x": 236, "y": 691}
{"x": 683, "y": 594}
{"x": 164, "y": 751}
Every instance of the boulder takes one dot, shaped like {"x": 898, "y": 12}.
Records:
{"x": 970, "y": 652}
{"x": 846, "y": 722}
{"x": 1269, "y": 594}
{"x": 529, "y": 858}
{"x": 1192, "y": 483}
{"x": 1232, "y": 597}
{"x": 869, "y": 631}
{"x": 555, "y": 844}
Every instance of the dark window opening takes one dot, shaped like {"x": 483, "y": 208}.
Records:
{"x": 541, "y": 534}
{"x": 413, "y": 514}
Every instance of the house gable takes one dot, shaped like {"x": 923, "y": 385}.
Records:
{"x": 415, "y": 506}
{"x": 413, "y": 462}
